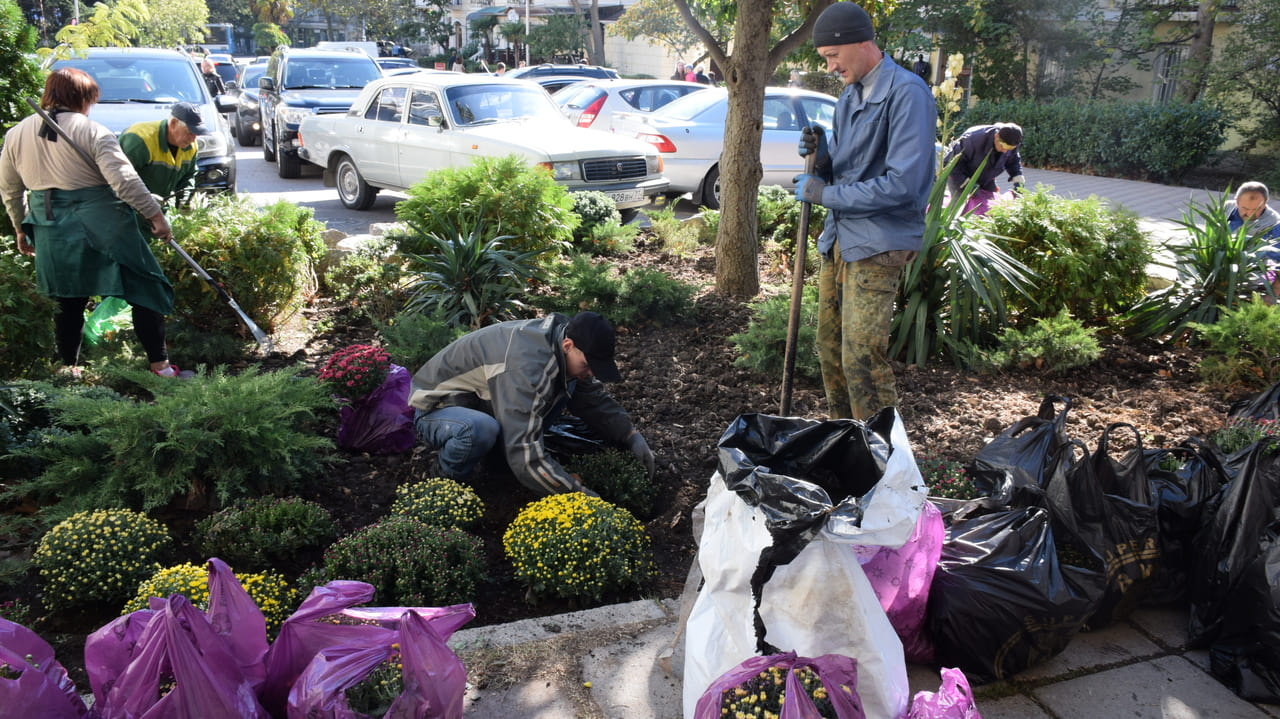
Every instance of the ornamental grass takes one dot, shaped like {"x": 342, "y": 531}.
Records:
{"x": 578, "y": 547}
{"x": 99, "y": 556}
{"x": 439, "y": 502}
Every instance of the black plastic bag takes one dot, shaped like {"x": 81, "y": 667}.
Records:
{"x": 1229, "y": 539}
{"x": 1246, "y": 654}
{"x": 1181, "y": 497}
{"x": 1265, "y": 405}
{"x": 1023, "y": 454}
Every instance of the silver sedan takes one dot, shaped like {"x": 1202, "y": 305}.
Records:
{"x": 689, "y": 132}
{"x": 592, "y": 103}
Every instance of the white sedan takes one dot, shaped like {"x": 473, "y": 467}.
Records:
{"x": 689, "y": 132}
{"x": 402, "y": 127}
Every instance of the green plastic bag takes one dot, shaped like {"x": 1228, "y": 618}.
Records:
{"x": 111, "y": 314}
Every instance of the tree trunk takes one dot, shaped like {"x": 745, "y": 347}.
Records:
{"x": 597, "y": 35}
{"x": 746, "y": 73}
{"x": 1196, "y": 66}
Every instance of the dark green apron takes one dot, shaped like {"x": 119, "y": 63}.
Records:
{"x": 88, "y": 243}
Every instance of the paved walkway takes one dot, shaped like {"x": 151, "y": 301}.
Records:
{"x": 1140, "y": 668}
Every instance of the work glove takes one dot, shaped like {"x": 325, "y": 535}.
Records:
{"x": 1019, "y": 184}
{"x": 813, "y": 141}
{"x": 640, "y": 449}
{"x": 809, "y": 189}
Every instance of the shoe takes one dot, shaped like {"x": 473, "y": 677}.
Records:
{"x": 73, "y": 372}
{"x": 173, "y": 371}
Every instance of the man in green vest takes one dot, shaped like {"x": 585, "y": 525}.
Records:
{"x": 164, "y": 152}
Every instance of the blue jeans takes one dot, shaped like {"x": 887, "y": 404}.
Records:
{"x": 462, "y": 436}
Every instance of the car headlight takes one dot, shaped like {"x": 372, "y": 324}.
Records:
{"x": 653, "y": 163}
{"x": 295, "y": 115}
{"x": 249, "y": 102}
{"x": 214, "y": 145}
{"x": 565, "y": 171}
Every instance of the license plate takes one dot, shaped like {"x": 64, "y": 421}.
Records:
{"x": 621, "y": 196}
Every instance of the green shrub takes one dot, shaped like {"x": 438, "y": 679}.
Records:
{"x": 593, "y": 208}
{"x": 1241, "y": 432}
{"x": 265, "y": 532}
{"x": 583, "y": 284}
{"x": 22, "y": 75}
{"x": 439, "y": 502}
{"x": 618, "y": 477}
{"x": 26, "y": 317}
{"x": 368, "y": 281}
{"x": 273, "y": 595}
{"x": 762, "y": 346}
{"x": 578, "y": 547}
{"x": 649, "y": 295}
{"x": 1054, "y": 344}
{"x": 470, "y": 279}
{"x": 1088, "y": 258}
{"x": 231, "y": 436}
{"x": 677, "y": 237}
{"x": 502, "y": 195}
{"x": 412, "y": 338}
{"x": 410, "y": 564}
{"x": 1243, "y": 347}
{"x": 778, "y": 215}
{"x": 264, "y": 257}
{"x": 98, "y": 556}
{"x": 611, "y": 238}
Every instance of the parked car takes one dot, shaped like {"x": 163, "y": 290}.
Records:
{"x": 402, "y": 127}
{"x": 553, "y": 83}
{"x": 580, "y": 71}
{"x": 298, "y": 84}
{"x": 140, "y": 84}
{"x": 689, "y": 132}
{"x": 396, "y": 63}
{"x": 591, "y": 103}
{"x": 246, "y": 123}
{"x": 224, "y": 65}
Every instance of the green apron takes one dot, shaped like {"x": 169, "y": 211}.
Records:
{"x": 88, "y": 243}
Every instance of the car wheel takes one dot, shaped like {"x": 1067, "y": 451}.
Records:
{"x": 711, "y": 189}
{"x": 245, "y": 133}
{"x": 288, "y": 164}
{"x": 353, "y": 191}
{"x": 268, "y": 148}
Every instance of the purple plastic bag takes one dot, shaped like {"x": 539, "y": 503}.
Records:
{"x": 110, "y": 649}
{"x": 434, "y": 677}
{"x": 43, "y": 688}
{"x": 953, "y": 700}
{"x": 381, "y": 422}
{"x": 312, "y": 629}
{"x": 901, "y": 578}
{"x": 180, "y": 652}
{"x": 839, "y": 674}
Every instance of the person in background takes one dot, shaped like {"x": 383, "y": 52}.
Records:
{"x": 212, "y": 78}
{"x": 680, "y": 71}
{"x": 794, "y": 80}
{"x": 689, "y": 74}
{"x": 163, "y": 152}
{"x": 507, "y": 382}
{"x": 700, "y": 76}
{"x": 76, "y": 218}
{"x": 500, "y": 69}
{"x": 996, "y": 144}
{"x": 922, "y": 68}
{"x": 1249, "y": 210}
{"x": 874, "y": 177}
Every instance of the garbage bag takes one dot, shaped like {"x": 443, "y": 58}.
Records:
{"x": 34, "y": 684}
{"x": 1246, "y": 654}
{"x": 1111, "y": 509}
{"x": 330, "y": 617}
{"x": 839, "y": 677}
{"x": 434, "y": 678}
{"x": 901, "y": 577}
{"x": 1181, "y": 496}
{"x": 381, "y": 422}
{"x": 1003, "y": 599}
{"x": 1229, "y": 539}
{"x": 111, "y": 314}
{"x": 790, "y": 502}
{"x": 953, "y": 700}
{"x": 1026, "y": 450}
{"x": 181, "y": 669}
{"x": 1264, "y": 405}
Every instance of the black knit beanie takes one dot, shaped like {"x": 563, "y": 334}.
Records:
{"x": 844, "y": 23}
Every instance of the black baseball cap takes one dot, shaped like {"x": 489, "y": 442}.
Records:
{"x": 593, "y": 334}
{"x": 189, "y": 115}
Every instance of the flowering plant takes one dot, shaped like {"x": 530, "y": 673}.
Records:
{"x": 575, "y": 546}
{"x": 273, "y": 595}
{"x": 354, "y": 371}
{"x": 946, "y": 478}
{"x": 373, "y": 695}
{"x": 98, "y": 556}
{"x": 439, "y": 502}
{"x": 948, "y": 95}
{"x": 409, "y": 563}
{"x": 1241, "y": 432}
{"x": 763, "y": 695}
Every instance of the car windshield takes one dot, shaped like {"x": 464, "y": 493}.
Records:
{"x": 691, "y": 105}
{"x": 331, "y": 73}
{"x": 150, "y": 80}
{"x": 249, "y": 78}
{"x": 481, "y": 104}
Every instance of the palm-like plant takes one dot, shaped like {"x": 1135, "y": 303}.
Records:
{"x": 953, "y": 292}
{"x": 470, "y": 280}
{"x": 1217, "y": 269}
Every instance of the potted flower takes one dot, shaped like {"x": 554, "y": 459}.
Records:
{"x": 352, "y": 373}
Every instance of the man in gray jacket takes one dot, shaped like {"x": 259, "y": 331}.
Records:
{"x": 509, "y": 381}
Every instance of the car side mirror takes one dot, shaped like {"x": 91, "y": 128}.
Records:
{"x": 266, "y": 83}
{"x": 225, "y": 103}
{"x": 436, "y": 121}
{"x": 233, "y": 85}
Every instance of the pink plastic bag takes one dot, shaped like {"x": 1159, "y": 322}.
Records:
{"x": 839, "y": 674}
{"x": 181, "y": 669}
{"x": 901, "y": 579}
{"x": 434, "y": 678}
{"x": 953, "y": 700}
{"x": 329, "y": 618}
{"x": 42, "y": 687}
{"x": 381, "y": 422}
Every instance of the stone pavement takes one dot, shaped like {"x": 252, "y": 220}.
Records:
{"x": 1139, "y": 668}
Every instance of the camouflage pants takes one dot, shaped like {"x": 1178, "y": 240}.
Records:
{"x": 855, "y": 312}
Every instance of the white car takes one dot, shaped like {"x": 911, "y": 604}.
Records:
{"x": 402, "y": 127}
{"x": 592, "y": 103}
{"x": 689, "y": 132}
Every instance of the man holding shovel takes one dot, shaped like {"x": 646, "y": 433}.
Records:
{"x": 874, "y": 177}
